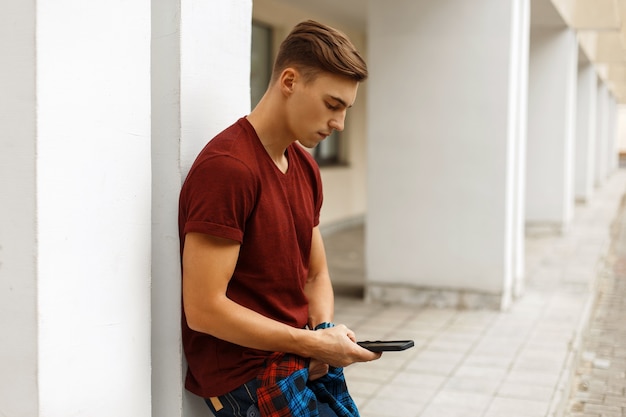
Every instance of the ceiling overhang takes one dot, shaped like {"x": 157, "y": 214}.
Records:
{"x": 602, "y": 37}
{"x": 598, "y": 23}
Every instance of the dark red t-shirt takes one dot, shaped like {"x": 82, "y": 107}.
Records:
{"x": 235, "y": 191}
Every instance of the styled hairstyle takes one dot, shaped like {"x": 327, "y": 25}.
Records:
{"x": 312, "y": 48}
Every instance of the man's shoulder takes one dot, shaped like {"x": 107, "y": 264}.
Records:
{"x": 236, "y": 141}
{"x": 239, "y": 133}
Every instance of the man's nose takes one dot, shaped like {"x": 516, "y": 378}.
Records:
{"x": 338, "y": 123}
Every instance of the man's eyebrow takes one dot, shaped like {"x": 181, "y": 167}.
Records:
{"x": 343, "y": 103}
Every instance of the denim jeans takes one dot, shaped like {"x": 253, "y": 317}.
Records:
{"x": 241, "y": 402}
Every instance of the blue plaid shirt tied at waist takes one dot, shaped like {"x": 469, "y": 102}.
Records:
{"x": 285, "y": 390}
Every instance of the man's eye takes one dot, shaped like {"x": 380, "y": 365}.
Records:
{"x": 331, "y": 107}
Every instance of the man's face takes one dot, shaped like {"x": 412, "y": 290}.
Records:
{"x": 318, "y": 107}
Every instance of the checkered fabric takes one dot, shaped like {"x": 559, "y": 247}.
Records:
{"x": 284, "y": 390}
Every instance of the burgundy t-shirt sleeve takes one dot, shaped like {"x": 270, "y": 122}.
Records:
{"x": 319, "y": 198}
{"x": 220, "y": 194}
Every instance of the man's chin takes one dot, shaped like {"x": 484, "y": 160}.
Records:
{"x": 308, "y": 145}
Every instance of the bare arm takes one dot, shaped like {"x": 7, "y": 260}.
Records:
{"x": 318, "y": 288}
{"x": 208, "y": 264}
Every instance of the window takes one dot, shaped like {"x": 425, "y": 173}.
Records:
{"x": 329, "y": 152}
{"x": 260, "y": 61}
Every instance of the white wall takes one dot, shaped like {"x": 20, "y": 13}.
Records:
{"x": 585, "y": 131}
{"x": 621, "y": 128}
{"x": 551, "y": 126}
{"x": 613, "y": 155}
{"x": 195, "y": 96}
{"x": 516, "y": 155}
{"x": 214, "y": 92}
{"x": 167, "y": 357}
{"x": 93, "y": 207}
{"x": 18, "y": 274}
{"x": 602, "y": 134}
{"x": 442, "y": 143}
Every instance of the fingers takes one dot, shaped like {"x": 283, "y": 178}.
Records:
{"x": 347, "y": 351}
{"x": 317, "y": 369}
{"x": 351, "y": 335}
{"x": 344, "y": 329}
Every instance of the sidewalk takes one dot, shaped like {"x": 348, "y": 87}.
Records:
{"x": 482, "y": 363}
{"x": 600, "y": 382}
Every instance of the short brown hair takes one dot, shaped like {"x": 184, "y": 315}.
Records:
{"x": 312, "y": 47}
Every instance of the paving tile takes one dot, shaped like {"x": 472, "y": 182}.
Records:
{"x": 486, "y": 386}
{"x": 543, "y": 379}
{"x": 477, "y": 318}
{"x": 507, "y": 407}
{"x": 497, "y": 345}
{"x": 418, "y": 380}
{"x": 366, "y": 372}
{"x": 483, "y": 372}
{"x": 603, "y": 409}
{"x": 436, "y": 368}
{"x": 361, "y": 388}
{"x": 502, "y": 360}
{"x": 434, "y": 410}
{"x": 391, "y": 361}
{"x": 525, "y": 391}
{"x": 434, "y": 362}
{"x": 365, "y": 332}
{"x": 453, "y": 342}
{"x": 468, "y": 400}
{"x": 406, "y": 393}
{"x": 540, "y": 360}
{"x": 420, "y": 338}
{"x": 434, "y": 317}
{"x": 382, "y": 407}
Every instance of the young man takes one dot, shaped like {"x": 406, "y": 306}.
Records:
{"x": 255, "y": 278}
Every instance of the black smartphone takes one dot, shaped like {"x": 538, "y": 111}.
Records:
{"x": 387, "y": 345}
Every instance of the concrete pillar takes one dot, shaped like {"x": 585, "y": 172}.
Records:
{"x": 446, "y": 108}
{"x": 602, "y": 134}
{"x": 75, "y": 213}
{"x": 519, "y": 121}
{"x": 551, "y": 127}
{"x": 585, "y": 131}
{"x": 18, "y": 232}
{"x": 613, "y": 155}
{"x": 194, "y": 97}
{"x": 93, "y": 207}
{"x": 167, "y": 356}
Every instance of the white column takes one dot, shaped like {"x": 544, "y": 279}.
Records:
{"x": 18, "y": 251}
{"x": 585, "y": 132}
{"x": 518, "y": 114}
{"x": 602, "y": 135}
{"x": 167, "y": 355}
{"x": 551, "y": 127}
{"x": 613, "y": 156}
{"x": 445, "y": 120}
{"x": 93, "y": 208}
{"x": 201, "y": 85}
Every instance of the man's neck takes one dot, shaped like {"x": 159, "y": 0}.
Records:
{"x": 271, "y": 132}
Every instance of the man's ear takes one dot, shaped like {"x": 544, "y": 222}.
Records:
{"x": 287, "y": 80}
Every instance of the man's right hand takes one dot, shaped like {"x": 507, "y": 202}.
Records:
{"x": 337, "y": 347}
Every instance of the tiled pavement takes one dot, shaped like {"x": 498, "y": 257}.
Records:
{"x": 600, "y": 379}
{"x": 519, "y": 363}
